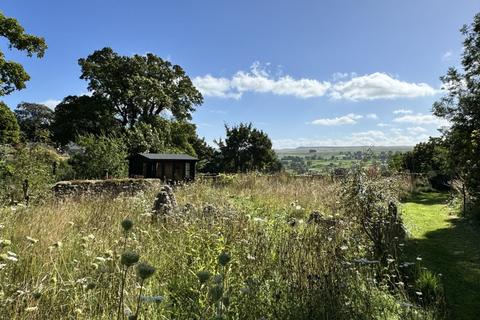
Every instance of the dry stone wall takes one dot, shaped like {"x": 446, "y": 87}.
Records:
{"x": 113, "y": 187}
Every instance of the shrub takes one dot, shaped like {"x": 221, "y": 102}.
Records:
{"x": 101, "y": 157}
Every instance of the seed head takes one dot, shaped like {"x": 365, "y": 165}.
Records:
{"x": 145, "y": 271}
{"x": 127, "y": 225}
{"x": 216, "y": 292}
{"x": 203, "y": 276}
{"x": 129, "y": 258}
{"x": 224, "y": 258}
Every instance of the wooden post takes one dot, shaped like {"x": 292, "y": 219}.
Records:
{"x": 26, "y": 196}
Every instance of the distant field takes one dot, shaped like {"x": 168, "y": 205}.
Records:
{"x": 324, "y": 159}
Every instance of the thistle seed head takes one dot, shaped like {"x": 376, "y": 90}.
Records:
{"x": 145, "y": 271}
{"x": 127, "y": 225}
{"x": 224, "y": 258}
{"x": 129, "y": 258}
{"x": 203, "y": 276}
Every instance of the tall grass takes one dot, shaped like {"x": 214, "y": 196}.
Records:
{"x": 282, "y": 264}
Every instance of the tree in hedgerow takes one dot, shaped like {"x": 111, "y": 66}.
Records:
{"x": 9, "y": 129}
{"x": 460, "y": 106}
{"x": 34, "y": 120}
{"x": 247, "y": 149}
{"x": 12, "y": 75}
{"x": 101, "y": 156}
{"x": 83, "y": 115}
{"x": 141, "y": 87}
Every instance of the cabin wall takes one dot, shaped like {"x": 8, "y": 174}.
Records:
{"x": 161, "y": 169}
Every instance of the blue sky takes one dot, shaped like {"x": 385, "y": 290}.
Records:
{"x": 308, "y": 73}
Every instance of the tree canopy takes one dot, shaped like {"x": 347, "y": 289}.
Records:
{"x": 82, "y": 115}
{"x": 461, "y": 107}
{"x": 141, "y": 87}
{"x": 34, "y": 120}
{"x": 12, "y": 75}
{"x": 247, "y": 149}
{"x": 9, "y": 129}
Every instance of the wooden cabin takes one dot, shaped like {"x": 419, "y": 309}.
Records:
{"x": 165, "y": 166}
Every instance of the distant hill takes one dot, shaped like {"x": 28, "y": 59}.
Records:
{"x": 336, "y": 150}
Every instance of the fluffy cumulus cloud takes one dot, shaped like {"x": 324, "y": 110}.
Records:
{"x": 379, "y": 85}
{"x": 402, "y": 111}
{"x": 344, "y": 86}
{"x": 421, "y": 119}
{"x": 363, "y": 138}
{"x": 350, "y": 118}
{"x": 371, "y": 116}
{"x": 259, "y": 80}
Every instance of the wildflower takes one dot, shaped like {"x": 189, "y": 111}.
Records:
{"x": 418, "y": 293}
{"x": 224, "y": 258}
{"x": 31, "y": 240}
{"x": 5, "y": 243}
{"x": 100, "y": 259}
{"x": 129, "y": 258}
{"x": 343, "y": 248}
{"x": 419, "y": 259}
{"x": 127, "y": 225}
{"x": 145, "y": 271}
{"x": 203, "y": 276}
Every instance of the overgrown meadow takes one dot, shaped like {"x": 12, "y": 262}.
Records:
{"x": 239, "y": 247}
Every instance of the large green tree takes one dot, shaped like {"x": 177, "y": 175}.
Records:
{"x": 461, "y": 107}
{"x": 83, "y": 115}
{"x": 12, "y": 75}
{"x": 34, "y": 120}
{"x": 9, "y": 129}
{"x": 247, "y": 149}
{"x": 141, "y": 87}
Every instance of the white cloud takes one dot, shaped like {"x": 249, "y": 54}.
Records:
{"x": 350, "y": 118}
{"x": 416, "y": 130}
{"x": 51, "y": 103}
{"x": 259, "y": 80}
{"x": 447, "y": 56}
{"x": 402, "y": 111}
{"x": 381, "y": 124}
{"x": 364, "y": 138}
{"x": 421, "y": 119}
{"x": 379, "y": 85}
{"x": 371, "y": 116}
{"x": 215, "y": 87}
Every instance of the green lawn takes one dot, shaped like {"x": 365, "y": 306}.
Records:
{"x": 448, "y": 245}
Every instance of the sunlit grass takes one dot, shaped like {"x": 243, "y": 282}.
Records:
{"x": 448, "y": 245}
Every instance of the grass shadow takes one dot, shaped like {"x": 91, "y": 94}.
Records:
{"x": 453, "y": 250}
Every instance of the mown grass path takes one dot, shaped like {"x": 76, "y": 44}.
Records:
{"x": 447, "y": 245}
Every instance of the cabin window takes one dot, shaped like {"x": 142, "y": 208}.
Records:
{"x": 187, "y": 170}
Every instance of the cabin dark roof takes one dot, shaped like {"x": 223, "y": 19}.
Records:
{"x": 167, "y": 156}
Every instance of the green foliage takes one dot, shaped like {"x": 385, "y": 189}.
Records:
{"x": 9, "y": 129}
{"x": 140, "y": 87}
{"x": 101, "y": 156}
{"x": 13, "y": 76}
{"x": 460, "y": 107}
{"x": 161, "y": 136}
{"x": 32, "y": 163}
{"x": 83, "y": 115}
{"x": 247, "y": 149}
{"x": 34, "y": 120}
